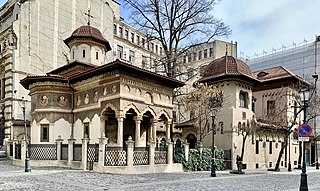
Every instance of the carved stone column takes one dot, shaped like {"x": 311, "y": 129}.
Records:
{"x": 154, "y": 129}
{"x": 120, "y": 131}
{"x": 170, "y": 152}
{"x": 130, "y": 147}
{"x": 167, "y": 124}
{"x": 59, "y": 143}
{"x": 138, "y": 130}
{"x": 85, "y": 142}
{"x": 102, "y": 126}
{"x": 70, "y": 150}
{"x": 151, "y": 152}
{"x": 102, "y": 150}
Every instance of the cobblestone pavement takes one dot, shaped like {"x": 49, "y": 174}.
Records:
{"x": 14, "y": 178}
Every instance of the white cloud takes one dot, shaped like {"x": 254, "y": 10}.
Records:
{"x": 262, "y": 25}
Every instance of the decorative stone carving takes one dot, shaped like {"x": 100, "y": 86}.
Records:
{"x": 86, "y": 99}
{"x": 138, "y": 92}
{"x": 95, "y": 96}
{"x": 127, "y": 89}
{"x": 114, "y": 89}
{"x": 78, "y": 101}
{"x": 62, "y": 101}
{"x": 44, "y": 100}
{"x": 148, "y": 98}
{"x": 159, "y": 97}
{"x": 105, "y": 91}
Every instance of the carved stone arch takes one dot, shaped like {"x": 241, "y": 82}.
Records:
{"x": 86, "y": 120}
{"x": 165, "y": 113}
{"x": 44, "y": 121}
{"x": 131, "y": 106}
{"x": 150, "y": 110}
{"x": 109, "y": 105}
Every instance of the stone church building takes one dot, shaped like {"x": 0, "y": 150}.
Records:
{"x": 87, "y": 99}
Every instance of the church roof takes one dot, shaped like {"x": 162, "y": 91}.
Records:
{"x": 227, "y": 66}
{"x": 57, "y": 75}
{"x": 72, "y": 68}
{"x": 87, "y": 31}
{"x": 275, "y": 73}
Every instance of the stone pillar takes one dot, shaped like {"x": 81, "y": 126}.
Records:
{"x": 138, "y": 128}
{"x": 102, "y": 126}
{"x": 85, "y": 142}
{"x": 8, "y": 148}
{"x": 167, "y": 124}
{"x": 59, "y": 142}
{"x": 170, "y": 153}
{"x": 186, "y": 150}
{"x": 23, "y": 150}
{"x": 120, "y": 131}
{"x": 130, "y": 147}
{"x": 15, "y": 141}
{"x": 102, "y": 150}
{"x": 151, "y": 152}
{"x": 154, "y": 129}
{"x": 70, "y": 150}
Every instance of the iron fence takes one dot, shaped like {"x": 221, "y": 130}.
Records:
{"x": 141, "y": 156}
{"x": 115, "y": 156}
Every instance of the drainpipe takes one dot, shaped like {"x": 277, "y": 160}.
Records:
{"x": 72, "y": 108}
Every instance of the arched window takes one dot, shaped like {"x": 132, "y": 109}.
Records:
{"x": 243, "y": 98}
{"x": 83, "y": 53}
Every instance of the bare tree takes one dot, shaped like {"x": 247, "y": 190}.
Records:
{"x": 283, "y": 111}
{"x": 205, "y": 100}
{"x": 178, "y": 25}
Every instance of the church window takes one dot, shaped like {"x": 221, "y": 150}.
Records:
{"x": 86, "y": 130}
{"x": 44, "y": 133}
{"x": 271, "y": 104}
{"x": 157, "y": 49}
{"x": 73, "y": 54}
{"x": 270, "y": 147}
{"x": 120, "y": 32}
{"x": 131, "y": 56}
{"x": 152, "y": 47}
{"x": 194, "y": 56}
{"x": 243, "y": 96}
{"x": 132, "y": 37}
{"x": 211, "y": 52}
{"x": 83, "y": 53}
{"x": 119, "y": 52}
{"x": 144, "y": 61}
{"x": 143, "y": 42}
{"x": 114, "y": 29}
{"x": 257, "y": 146}
{"x": 3, "y": 90}
{"x": 126, "y": 34}
{"x": 205, "y": 53}
{"x": 97, "y": 55}
{"x": 200, "y": 55}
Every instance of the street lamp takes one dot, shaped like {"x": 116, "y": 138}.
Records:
{"x": 315, "y": 76}
{"x": 27, "y": 160}
{"x": 213, "y": 162}
{"x": 304, "y": 95}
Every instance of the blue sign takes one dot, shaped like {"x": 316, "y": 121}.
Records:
{"x": 304, "y": 130}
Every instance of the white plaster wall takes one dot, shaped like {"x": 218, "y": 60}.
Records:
{"x": 62, "y": 128}
{"x": 78, "y": 131}
{"x": 95, "y": 129}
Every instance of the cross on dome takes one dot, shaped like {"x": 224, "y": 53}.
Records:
{"x": 89, "y": 16}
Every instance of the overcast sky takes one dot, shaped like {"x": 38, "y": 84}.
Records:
{"x": 261, "y": 25}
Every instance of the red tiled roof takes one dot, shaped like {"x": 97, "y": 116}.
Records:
{"x": 227, "y": 66}
{"x": 88, "y": 31}
{"x": 275, "y": 73}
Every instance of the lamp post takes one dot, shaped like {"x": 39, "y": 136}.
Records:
{"x": 27, "y": 160}
{"x": 289, "y": 164}
{"x": 315, "y": 76}
{"x": 303, "y": 181}
{"x": 213, "y": 162}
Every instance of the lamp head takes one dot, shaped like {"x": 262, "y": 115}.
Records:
{"x": 315, "y": 76}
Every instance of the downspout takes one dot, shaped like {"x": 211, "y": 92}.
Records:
{"x": 72, "y": 108}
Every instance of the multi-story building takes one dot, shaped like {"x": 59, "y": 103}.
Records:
{"x": 31, "y": 38}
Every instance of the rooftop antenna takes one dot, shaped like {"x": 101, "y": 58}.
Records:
{"x": 89, "y": 16}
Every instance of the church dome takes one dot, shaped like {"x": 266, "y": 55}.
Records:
{"x": 227, "y": 66}
{"x": 88, "y": 32}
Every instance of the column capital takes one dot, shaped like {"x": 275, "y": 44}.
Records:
{"x": 154, "y": 120}
{"x": 137, "y": 118}
{"x": 59, "y": 139}
{"x": 71, "y": 140}
{"x": 120, "y": 115}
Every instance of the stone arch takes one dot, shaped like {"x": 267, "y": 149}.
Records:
{"x": 192, "y": 140}
{"x": 165, "y": 113}
{"x": 108, "y": 106}
{"x": 131, "y": 106}
{"x": 150, "y": 110}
